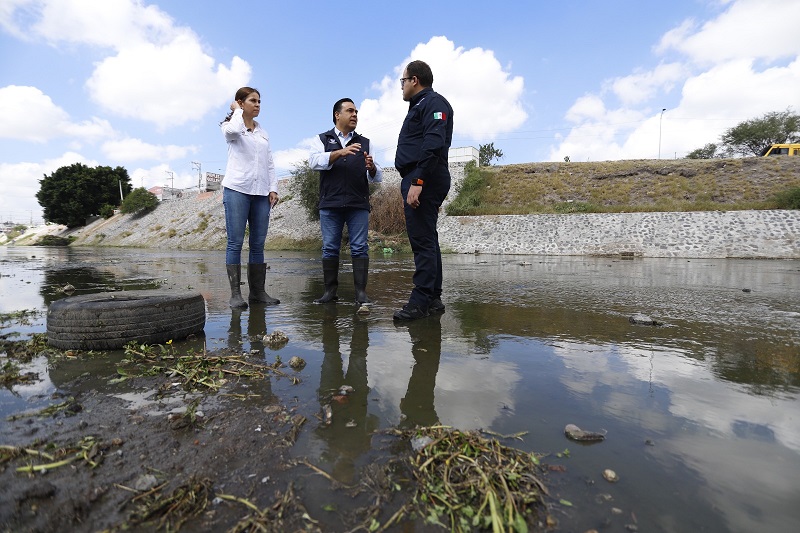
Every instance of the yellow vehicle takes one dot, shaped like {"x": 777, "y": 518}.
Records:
{"x": 783, "y": 149}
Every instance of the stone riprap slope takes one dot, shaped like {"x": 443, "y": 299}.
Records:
{"x": 198, "y": 222}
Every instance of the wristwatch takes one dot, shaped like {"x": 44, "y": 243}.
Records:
{"x": 417, "y": 181}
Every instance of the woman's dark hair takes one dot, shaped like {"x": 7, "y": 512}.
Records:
{"x": 241, "y": 94}
{"x": 422, "y": 71}
{"x": 337, "y": 107}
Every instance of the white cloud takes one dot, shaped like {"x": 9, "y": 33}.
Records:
{"x": 642, "y": 86}
{"x": 162, "y": 175}
{"x": 737, "y": 66}
{"x": 127, "y": 150}
{"x": 476, "y": 115}
{"x": 159, "y": 72}
{"x": 168, "y": 85}
{"x": 30, "y": 115}
{"x": 764, "y": 29}
{"x": 20, "y": 183}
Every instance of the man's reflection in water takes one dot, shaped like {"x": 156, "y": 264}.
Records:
{"x": 350, "y": 430}
{"x": 417, "y": 406}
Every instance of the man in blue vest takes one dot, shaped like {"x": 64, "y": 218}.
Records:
{"x": 346, "y": 169}
{"x": 421, "y": 160}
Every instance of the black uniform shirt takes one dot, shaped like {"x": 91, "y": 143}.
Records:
{"x": 425, "y": 137}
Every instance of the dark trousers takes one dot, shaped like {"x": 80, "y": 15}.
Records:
{"x": 424, "y": 239}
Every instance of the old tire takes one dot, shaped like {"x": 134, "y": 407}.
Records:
{"x": 110, "y": 320}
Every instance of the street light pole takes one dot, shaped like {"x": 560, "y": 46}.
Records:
{"x": 660, "y": 120}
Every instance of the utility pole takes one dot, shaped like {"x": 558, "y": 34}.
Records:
{"x": 196, "y": 166}
{"x": 172, "y": 183}
{"x": 659, "y": 131}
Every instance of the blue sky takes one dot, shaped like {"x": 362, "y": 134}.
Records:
{"x": 143, "y": 85}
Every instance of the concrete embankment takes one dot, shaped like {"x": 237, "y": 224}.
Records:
{"x": 198, "y": 222}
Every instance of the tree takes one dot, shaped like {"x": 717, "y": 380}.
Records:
{"x": 486, "y": 153}
{"x": 305, "y": 185}
{"x": 72, "y": 193}
{"x": 708, "y": 151}
{"x": 140, "y": 199}
{"x": 753, "y": 137}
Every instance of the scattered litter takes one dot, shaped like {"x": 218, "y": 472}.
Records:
{"x": 145, "y": 482}
{"x": 417, "y": 443}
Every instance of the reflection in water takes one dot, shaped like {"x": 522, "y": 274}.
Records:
{"x": 349, "y": 433}
{"x": 417, "y": 406}
{"x": 527, "y": 345}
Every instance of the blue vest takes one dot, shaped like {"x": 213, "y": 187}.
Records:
{"x": 345, "y": 185}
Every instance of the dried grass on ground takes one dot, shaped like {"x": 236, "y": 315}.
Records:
{"x": 639, "y": 185}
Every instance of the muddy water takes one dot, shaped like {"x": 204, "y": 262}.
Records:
{"x": 700, "y": 413}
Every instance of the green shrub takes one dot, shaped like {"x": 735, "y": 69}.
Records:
{"x": 139, "y": 199}
{"x": 470, "y": 192}
{"x": 305, "y": 185}
{"x": 107, "y": 211}
{"x": 789, "y": 199}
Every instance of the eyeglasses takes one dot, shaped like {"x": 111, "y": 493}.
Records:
{"x": 403, "y": 80}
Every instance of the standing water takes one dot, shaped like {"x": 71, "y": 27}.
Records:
{"x": 700, "y": 411}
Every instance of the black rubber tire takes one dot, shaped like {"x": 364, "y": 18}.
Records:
{"x": 110, "y": 320}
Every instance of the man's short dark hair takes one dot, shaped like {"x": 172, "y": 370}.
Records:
{"x": 337, "y": 107}
{"x": 422, "y": 71}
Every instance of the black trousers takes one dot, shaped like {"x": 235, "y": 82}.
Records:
{"x": 421, "y": 228}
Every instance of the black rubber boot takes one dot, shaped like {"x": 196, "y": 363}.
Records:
{"x": 235, "y": 280}
{"x": 256, "y": 276}
{"x": 360, "y": 270}
{"x": 330, "y": 275}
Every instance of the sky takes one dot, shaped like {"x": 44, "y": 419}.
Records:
{"x": 144, "y": 85}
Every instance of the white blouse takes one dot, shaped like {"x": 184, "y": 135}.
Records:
{"x": 250, "y": 168}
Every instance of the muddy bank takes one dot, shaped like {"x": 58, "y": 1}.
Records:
{"x": 175, "y": 454}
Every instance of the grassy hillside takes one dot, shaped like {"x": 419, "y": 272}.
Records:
{"x": 628, "y": 186}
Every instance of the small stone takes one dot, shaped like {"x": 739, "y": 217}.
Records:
{"x": 297, "y": 363}
{"x": 610, "y": 475}
{"x": 277, "y": 339}
{"x": 641, "y": 319}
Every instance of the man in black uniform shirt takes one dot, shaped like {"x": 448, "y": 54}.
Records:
{"x": 421, "y": 159}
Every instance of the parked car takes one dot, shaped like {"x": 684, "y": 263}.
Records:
{"x": 783, "y": 149}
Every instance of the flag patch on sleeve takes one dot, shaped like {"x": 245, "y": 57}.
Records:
{"x": 439, "y": 116}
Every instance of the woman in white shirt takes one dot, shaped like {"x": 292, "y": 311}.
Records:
{"x": 250, "y": 191}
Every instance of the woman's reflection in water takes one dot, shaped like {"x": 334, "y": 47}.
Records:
{"x": 350, "y": 430}
{"x": 251, "y": 344}
{"x": 417, "y": 406}
{"x": 256, "y": 329}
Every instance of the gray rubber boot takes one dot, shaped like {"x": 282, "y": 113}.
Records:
{"x": 360, "y": 270}
{"x": 256, "y": 276}
{"x": 330, "y": 275}
{"x": 235, "y": 280}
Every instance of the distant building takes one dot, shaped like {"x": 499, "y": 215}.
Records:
{"x": 164, "y": 193}
{"x": 463, "y": 155}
